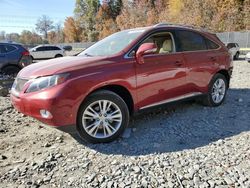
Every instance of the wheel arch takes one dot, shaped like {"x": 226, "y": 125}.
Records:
{"x": 120, "y": 90}
{"x": 58, "y": 55}
{"x": 10, "y": 65}
{"x": 225, "y": 73}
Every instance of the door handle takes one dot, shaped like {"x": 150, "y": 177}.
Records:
{"x": 178, "y": 63}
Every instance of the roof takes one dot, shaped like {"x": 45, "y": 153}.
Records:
{"x": 10, "y": 42}
{"x": 182, "y": 26}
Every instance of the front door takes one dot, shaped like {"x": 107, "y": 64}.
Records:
{"x": 163, "y": 75}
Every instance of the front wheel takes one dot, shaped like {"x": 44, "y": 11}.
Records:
{"x": 217, "y": 91}
{"x": 102, "y": 117}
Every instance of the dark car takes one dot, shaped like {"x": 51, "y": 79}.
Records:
{"x": 13, "y": 57}
{"x": 98, "y": 90}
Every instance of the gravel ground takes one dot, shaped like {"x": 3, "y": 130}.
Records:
{"x": 183, "y": 145}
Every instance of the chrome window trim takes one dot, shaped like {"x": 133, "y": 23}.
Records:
{"x": 126, "y": 56}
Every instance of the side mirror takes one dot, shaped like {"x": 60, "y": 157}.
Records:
{"x": 146, "y": 48}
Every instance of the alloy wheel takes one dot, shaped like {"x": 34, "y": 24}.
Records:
{"x": 218, "y": 90}
{"x": 102, "y": 119}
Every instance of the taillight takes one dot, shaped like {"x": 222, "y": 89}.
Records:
{"x": 25, "y": 53}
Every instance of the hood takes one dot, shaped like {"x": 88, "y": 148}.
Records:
{"x": 57, "y": 65}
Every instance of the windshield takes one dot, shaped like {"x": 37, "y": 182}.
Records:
{"x": 112, "y": 44}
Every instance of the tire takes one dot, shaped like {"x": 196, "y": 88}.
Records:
{"x": 210, "y": 98}
{"x": 96, "y": 128}
{"x": 58, "y": 55}
{"x": 11, "y": 70}
{"x": 236, "y": 56}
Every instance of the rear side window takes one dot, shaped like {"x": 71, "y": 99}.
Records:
{"x": 211, "y": 45}
{"x": 54, "y": 48}
{"x": 10, "y": 48}
{"x": 190, "y": 41}
{"x": 47, "y": 48}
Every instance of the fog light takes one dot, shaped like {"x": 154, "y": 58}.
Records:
{"x": 45, "y": 114}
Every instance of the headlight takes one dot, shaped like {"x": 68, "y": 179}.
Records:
{"x": 45, "y": 82}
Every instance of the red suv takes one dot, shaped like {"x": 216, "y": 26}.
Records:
{"x": 98, "y": 90}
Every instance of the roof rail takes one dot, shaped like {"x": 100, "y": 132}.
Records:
{"x": 182, "y": 25}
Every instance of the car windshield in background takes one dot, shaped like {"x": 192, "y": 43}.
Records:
{"x": 112, "y": 44}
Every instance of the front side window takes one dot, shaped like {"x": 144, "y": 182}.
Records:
{"x": 163, "y": 41}
{"x": 40, "y": 49}
{"x": 113, "y": 43}
{"x": 54, "y": 48}
{"x": 190, "y": 41}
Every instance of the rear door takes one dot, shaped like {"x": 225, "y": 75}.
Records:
{"x": 163, "y": 75}
{"x": 48, "y": 52}
{"x": 55, "y": 51}
{"x": 201, "y": 62}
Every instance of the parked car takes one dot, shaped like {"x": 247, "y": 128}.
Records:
{"x": 234, "y": 49}
{"x": 13, "y": 57}
{"x": 248, "y": 57}
{"x": 132, "y": 70}
{"x": 46, "y": 52}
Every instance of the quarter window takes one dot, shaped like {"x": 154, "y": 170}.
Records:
{"x": 211, "y": 45}
{"x": 190, "y": 41}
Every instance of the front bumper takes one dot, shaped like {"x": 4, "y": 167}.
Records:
{"x": 61, "y": 109}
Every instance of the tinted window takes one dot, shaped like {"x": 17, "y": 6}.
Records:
{"x": 211, "y": 45}
{"x": 190, "y": 41}
{"x": 230, "y": 45}
{"x": 47, "y": 48}
{"x": 41, "y": 49}
{"x": 54, "y": 48}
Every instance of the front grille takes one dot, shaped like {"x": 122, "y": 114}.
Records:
{"x": 19, "y": 84}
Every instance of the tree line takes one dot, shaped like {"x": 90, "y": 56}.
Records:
{"x": 95, "y": 19}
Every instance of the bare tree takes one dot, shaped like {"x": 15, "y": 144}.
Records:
{"x": 44, "y": 24}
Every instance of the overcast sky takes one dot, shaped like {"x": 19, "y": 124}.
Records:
{"x": 17, "y": 15}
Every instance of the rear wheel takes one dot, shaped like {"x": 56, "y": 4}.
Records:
{"x": 217, "y": 91}
{"x": 103, "y": 117}
{"x": 11, "y": 70}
